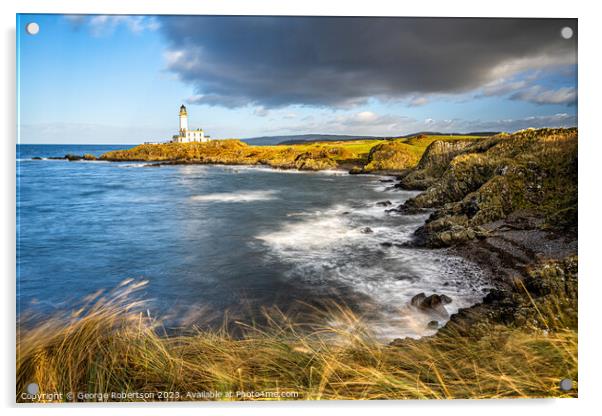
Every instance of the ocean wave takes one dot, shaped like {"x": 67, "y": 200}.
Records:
{"x": 354, "y": 247}
{"x": 243, "y": 196}
{"x": 314, "y": 234}
{"x": 130, "y": 165}
{"x": 242, "y": 168}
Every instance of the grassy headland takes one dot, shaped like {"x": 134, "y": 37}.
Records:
{"x": 360, "y": 155}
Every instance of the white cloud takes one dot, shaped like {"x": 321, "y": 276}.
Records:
{"x": 366, "y": 117}
{"x": 526, "y": 89}
{"x": 418, "y": 101}
{"x": 368, "y": 123}
{"x": 260, "y": 112}
{"x": 104, "y": 25}
{"x": 539, "y": 95}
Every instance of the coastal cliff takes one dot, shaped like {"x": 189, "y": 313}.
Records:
{"x": 508, "y": 203}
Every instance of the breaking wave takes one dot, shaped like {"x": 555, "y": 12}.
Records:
{"x": 244, "y": 196}
{"x": 361, "y": 248}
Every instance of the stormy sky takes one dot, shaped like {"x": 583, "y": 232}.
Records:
{"x": 247, "y": 76}
{"x": 275, "y": 62}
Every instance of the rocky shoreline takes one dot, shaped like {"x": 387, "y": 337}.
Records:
{"x": 509, "y": 205}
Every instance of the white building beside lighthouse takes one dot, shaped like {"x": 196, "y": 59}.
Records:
{"x": 185, "y": 135}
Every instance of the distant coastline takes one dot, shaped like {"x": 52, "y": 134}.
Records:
{"x": 356, "y": 156}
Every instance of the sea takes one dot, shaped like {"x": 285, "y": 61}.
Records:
{"x": 224, "y": 243}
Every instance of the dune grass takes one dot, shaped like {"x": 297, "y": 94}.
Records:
{"x": 111, "y": 345}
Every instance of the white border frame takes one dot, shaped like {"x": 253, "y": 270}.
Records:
{"x": 590, "y": 150}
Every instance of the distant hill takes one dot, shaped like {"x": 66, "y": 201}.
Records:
{"x": 438, "y": 133}
{"x": 308, "y": 138}
{"x": 301, "y": 138}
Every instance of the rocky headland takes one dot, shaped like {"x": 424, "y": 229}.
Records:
{"x": 392, "y": 156}
{"x": 508, "y": 203}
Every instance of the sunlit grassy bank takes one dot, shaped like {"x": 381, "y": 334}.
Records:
{"x": 364, "y": 155}
{"x": 113, "y": 347}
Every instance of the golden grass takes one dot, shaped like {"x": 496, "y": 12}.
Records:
{"x": 111, "y": 346}
{"x": 396, "y": 154}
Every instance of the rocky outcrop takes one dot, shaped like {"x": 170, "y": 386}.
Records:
{"x": 433, "y": 163}
{"x": 530, "y": 175}
{"x": 72, "y": 158}
{"x": 234, "y": 152}
{"x": 391, "y": 157}
{"x": 509, "y": 203}
{"x": 433, "y": 304}
{"x": 309, "y": 161}
{"x": 548, "y": 286}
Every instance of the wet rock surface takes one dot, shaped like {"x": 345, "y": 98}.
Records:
{"x": 433, "y": 304}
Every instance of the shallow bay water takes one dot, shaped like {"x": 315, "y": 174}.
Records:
{"x": 225, "y": 239}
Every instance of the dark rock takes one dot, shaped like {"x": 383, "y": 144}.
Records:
{"x": 397, "y": 342}
{"x": 471, "y": 207}
{"x": 345, "y": 213}
{"x": 386, "y": 244}
{"x": 36, "y": 158}
{"x": 445, "y": 299}
{"x": 433, "y": 303}
{"x": 366, "y": 230}
{"x": 433, "y": 325}
{"x": 71, "y": 158}
{"x": 406, "y": 209}
{"x": 494, "y": 296}
{"x": 407, "y": 244}
{"x": 386, "y": 180}
{"x": 406, "y": 277}
{"x": 384, "y": 203}
{"x": 418, "y": 299}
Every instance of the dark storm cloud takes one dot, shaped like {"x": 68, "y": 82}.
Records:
{"x": 273, "y": 62}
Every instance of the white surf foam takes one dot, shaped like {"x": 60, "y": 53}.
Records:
{"x": 243, "y": 196}
{"x": 333, "y": 247}
{"x": 255, "y": 168}
{"x": 316, "y": 233}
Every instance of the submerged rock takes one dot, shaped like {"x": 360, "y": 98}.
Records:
{"x": 432, "y": 325}
{"x": 432, "y": 304}
{"x": 72, "y": 158}
{"x": 384, "y": 203}
{"x": 407, "y": 209}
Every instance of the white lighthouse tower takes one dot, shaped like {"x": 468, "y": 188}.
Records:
{"x": 186, "y": 135}
{"x": 183, "y": 121}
